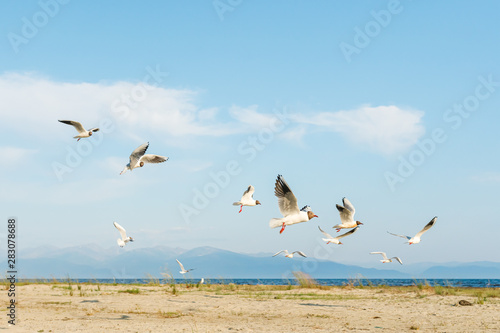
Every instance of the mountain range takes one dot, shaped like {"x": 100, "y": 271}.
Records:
{"x": 94, "y": 261}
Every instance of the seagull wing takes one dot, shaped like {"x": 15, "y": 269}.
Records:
{"x": 398, "y": 259}
{"x": 95, "y": 129}
{"x": 182, "y": 267}
{"x": 286, "y": 252}
{"x": 348, "y": 233}
{"x": 248, "y": 194}
{"x": 78, "y": 126}
{"x": 346, "y": 216}
{"x": 348, "y": 205}
{"x": 403, "y": 236}
{"x": 286, "y": 199}
{"x": 324, "y": 233}
{"x": 150, "y": 158}
{"x": 300, "y": 253}
{"x": 137, "y": 154}
{"x": 382, "y": 253}
{"x": 427, "y": 227}
{"x": 122, "y": 231}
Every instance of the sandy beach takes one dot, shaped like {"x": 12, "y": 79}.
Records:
{"x": 232, "y": 308}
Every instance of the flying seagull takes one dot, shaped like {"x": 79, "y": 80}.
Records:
{"x": 183, "y": 270}
{"x": 290, "y": 255}
{"x": 138, "y": 159}
{"x": 247, "y": 199}
{"x": 346, "y": 216}
{"x": 288, "y": 207}
{"x": 82, "y": 132}
{"x": 416, "y": 239}
{"x": 336, "y": 240}
{"x": 385, "y": 260}
{"x": 124, "y": 240}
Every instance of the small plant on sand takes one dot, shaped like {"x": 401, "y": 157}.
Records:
{"x": 305, "y": 280}
{"x": 130, "y": 291}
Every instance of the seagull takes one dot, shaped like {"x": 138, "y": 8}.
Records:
{"x": 290, "y": 255}
{"x": 288, "y": 207}
{"x": 346, "y": 216}
{"x": 124, "y": 240}
{"x": 247, "y": 199}
{"x": 416, "y": 239}
{"x": 137, "y": 158}
{"x": 82, "y": 132}
{"x": 336, "y": 240}
{"x": 387, "y": 259}
{"x": 183, "y": 271}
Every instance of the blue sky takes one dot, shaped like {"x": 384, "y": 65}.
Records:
{"x": 201, "y": 85}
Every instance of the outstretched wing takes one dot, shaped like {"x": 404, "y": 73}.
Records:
{"x": 427, "y": 227}
{"x": 382, "y": 253}
{"x": 300, "y": 253}
{"x": 347, "y": 204}
{"x": 78, "y": 126}
{"x": 95, "y": 129}
{"x": 346, "y": 215}
{"x": 182, "y": 267}
{"x": 324, "y": 233}
{"x": 348, "y": 233}
{"x": 286, "y": 252}
{"x": 286, "y": 199}
{"x": 122, "y": 231}
{"x": 248, "y": 194}
{"x": 150, "y": 158}
{"x": 138, "y": 153}
{"x": 402, "y": 236}
{"x": 398, "y": 259}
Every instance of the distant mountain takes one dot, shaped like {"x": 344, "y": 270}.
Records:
{"x": 93, "y": 261}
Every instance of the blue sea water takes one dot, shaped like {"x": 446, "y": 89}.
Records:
{"x": 475, "y": 283}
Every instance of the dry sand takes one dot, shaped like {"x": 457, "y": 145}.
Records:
{"x": 108, "y": 308}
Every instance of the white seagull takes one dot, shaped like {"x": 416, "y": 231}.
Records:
{"x": 346, "y": 216}
{"x": 124, "y": 240}
{"x": 336, "y": 240}
{"x": 416, "y": 239}
{"x": 82, "y": 132}
{"x": 288, "y": 207}
{"x": 138, "y": 159}
{"x": 385, "y": 260}
{"x": 183, "y": 270}
{"x": 247, "y": 199}
{"x": 290, "y": 255}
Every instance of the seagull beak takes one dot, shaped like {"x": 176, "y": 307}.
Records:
{"x": 315, "y": 215}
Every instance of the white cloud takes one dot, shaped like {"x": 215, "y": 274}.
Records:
{"x": 385, "y": 129}
{"x": 487, "y": 177}
{"x": 32, "y": 105}
{"x": 15, "y": 155}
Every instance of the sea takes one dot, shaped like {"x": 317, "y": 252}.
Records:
{"x": 470, "y": 283}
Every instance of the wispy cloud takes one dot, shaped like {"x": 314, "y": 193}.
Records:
{"x": 487, "y": 177}
{"x": 385, "y": 129}
{"x": 175, "y": 115}
{"x": 15, "y": 155}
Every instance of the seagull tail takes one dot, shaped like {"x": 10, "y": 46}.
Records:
{"x": 274, "y": 223}
{"x": 236, "y": 203}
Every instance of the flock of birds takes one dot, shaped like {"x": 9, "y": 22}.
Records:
{"x": 287, "y": 203}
